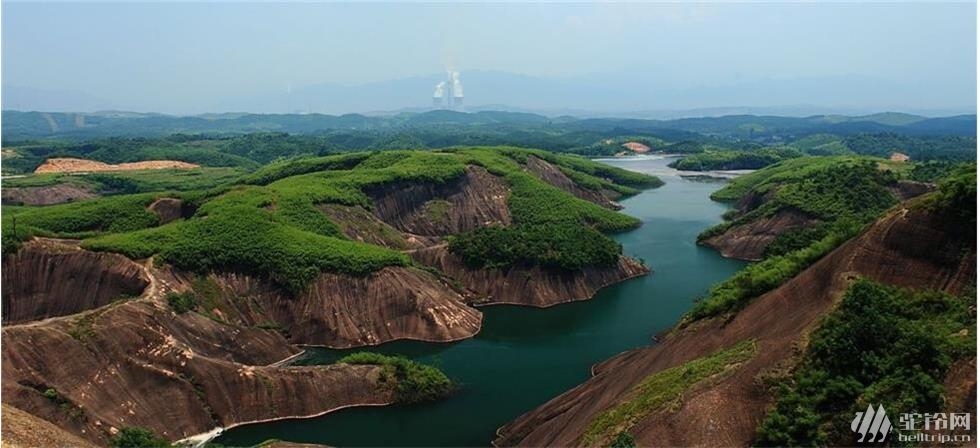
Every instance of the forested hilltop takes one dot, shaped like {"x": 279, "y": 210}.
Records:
{"x": 268, "y": 222}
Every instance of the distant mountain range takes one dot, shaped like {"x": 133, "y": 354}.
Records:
{"x": 634, "y": 94}
{"x": 74, "y": 126}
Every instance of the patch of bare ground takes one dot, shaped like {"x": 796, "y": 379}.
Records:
{"x": 72, "y": 165}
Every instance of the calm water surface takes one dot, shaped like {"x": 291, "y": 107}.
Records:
{"x": 523, "y": 357}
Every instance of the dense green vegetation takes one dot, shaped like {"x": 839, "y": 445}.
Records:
{"x": 248, "y": 141}
{"x": 841, "y": 193}
{"x": 755, "y": 279}
{"x": 550, "y": 227}
{"x": 274, "y": 228}
{"x": 734, "y": 160}
{"x": 413, "y": 382}
{"x": 793, "y": 170}
{"x": 134, "y": 437}
{"x": 131, "y": 182}
{"x": 181, "y": 303}
{"x": 623, "y": 440}
{"x": 948, "y": 147}
{"x": 661, "y": 389}
{"x": 957, "y": 198}
{"x": 844, "y": 194}
{"x": 870, "y": 350}
{"x": 404, "y": 130}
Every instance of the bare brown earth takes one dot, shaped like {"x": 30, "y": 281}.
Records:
{"x": 476, "y": 199}
{"x": 46, "y": 195}
{"x": 636, "y": 147}
{"x": 554, "y": 176}
{"x": 907, "y": 189}
{"x": 45, "y": 279}
{"x": 72, "y": 165}
{"x": 136, "y": 363}
{"x": 749, "y": 241}
{"x": 343, "y": 311}
{"x": 361, "y": 225}
{"x": 23, "y": 430}
{"x": 909, "y": 247}
{"x": 167, "y": 209}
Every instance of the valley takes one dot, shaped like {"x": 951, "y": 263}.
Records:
{"x": 464, "y": 295}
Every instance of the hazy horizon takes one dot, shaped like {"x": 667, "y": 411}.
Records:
{"x": 598, "y": 58}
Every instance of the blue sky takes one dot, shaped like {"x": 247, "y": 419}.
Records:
{"x": 192, "y": 57}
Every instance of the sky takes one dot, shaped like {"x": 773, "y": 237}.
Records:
{"x": 192, "y": 57}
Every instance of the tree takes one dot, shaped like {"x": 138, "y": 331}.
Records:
{"x": 134, "y": 437}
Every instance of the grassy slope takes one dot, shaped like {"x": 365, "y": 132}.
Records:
{"x": 660, "y": 389}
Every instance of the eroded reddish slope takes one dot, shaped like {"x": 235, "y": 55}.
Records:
{"x": 909, "y": 247}
{"x": 44, "y": 280}
{"x": 533, "y": 286}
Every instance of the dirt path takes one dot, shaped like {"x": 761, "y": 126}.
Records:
{"x": 156, "y": 290}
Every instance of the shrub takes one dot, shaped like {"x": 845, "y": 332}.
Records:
{"x": 135, "y": 437}
{"x": 877, "y": 342}
{"x": 415, "y": 382}
{"x": 623, "y": 440}
{"x": 181, "y": 303}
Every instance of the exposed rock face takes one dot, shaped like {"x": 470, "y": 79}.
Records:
{"x": 23, "y": 430}
{"x": 343, "y": 311}
{"x": 749, "y": 241}
{"x": 167, "y": 209}
{"x": 907, "y": 189}
{"x": 44, "y": 280}
{"x": 138, "y": 364}
{"x": 46, "y": 195}
{"x": 476, "y": 199}
{"x": 360, "y": 225}
{"x": 554, "y": 176}
{"x": 908, "y": 247}
{"x": 528, "y": 286}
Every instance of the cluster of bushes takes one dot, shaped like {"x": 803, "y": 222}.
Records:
{"x": 957, "y": 198}
{"x": 843, "y": 193}
{"x": 181, "y": 303}
{"x": 135, "y": 437}
{"x": 734, "y": 160}
{"x": 237, "y": 236}
{"x": 796, "y": 239}
{"x": 878, "y": 342}
{"x": 790, "y": 170}
{"x": 77, "y": 219}
{"x": 758, "y": 278}
{"x": 283, "y": 168}
{"x": 550, "y": 227}
{"x": 413, "y": 382}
